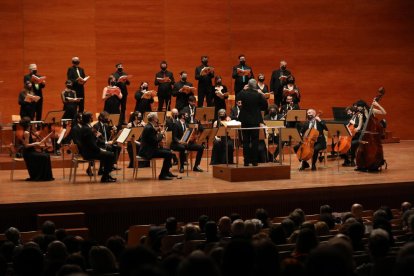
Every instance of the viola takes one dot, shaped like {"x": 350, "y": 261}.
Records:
{"x": 370, "y": 154}
{"x": 306, "y": 149}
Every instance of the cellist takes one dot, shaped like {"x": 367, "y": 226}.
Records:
{"x": 313, "y": 121}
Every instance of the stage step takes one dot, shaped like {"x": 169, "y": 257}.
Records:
{"x": 63, "y": 220}
{"x": 268, "y": 171}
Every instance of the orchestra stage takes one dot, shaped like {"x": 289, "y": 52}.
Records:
{"x": 112, "y": 208}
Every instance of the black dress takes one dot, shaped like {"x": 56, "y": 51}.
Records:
{"x": 219, "y": 103}
{"x": 142, "y": 105}
{"x": 218, "y": 155}
{"x": 113, "y": 105}
{"x": 27, "y": 109}
{"x": 70, "y": 108}
{"x": 38, "y": 164}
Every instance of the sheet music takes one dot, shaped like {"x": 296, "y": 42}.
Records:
{"x": 124, "y": 135}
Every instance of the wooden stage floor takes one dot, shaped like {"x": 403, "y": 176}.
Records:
{"x": 145, "y": 200}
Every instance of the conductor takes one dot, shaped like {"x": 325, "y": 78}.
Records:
{"x": 250, "y": 116}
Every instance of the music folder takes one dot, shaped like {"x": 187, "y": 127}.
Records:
{"x": 187, "y": 135}
{"x": 82, "y": 80}
{"x": 31, "y": 98}
{"x": 37, "y": 79}
{"x": 245, "y": 72}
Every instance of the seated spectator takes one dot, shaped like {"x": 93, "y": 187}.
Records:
{"x": 325, "y": 213}
{"x": 238, "y": 258}
{"x": 297, "y": 217}
{"x": 262, "y": 215}
{"x": 237, "y": 229}
{"x": 357, "y": 211}
{"x": 202, "y": 220}
{"x": 28, "y": 261}
{"x": 356, "y": 232}
{"x": 211, "y": 232}
{"x": 277, "y": 234}
{"x": 13, "y": 234}
{"x": 288, "y": 226}
{"x": 249, "y": 229}
{"x": 305, "y": 242}
{"x": 267, "y": 258}
{"x": 322, "y": 229}
{"x": 171, "y": 225}
{"x": 102, "y": 260}
{"x": 117, "y": 246}
{"x": 258, "y": 224}
{"x": 70, "y": 270}
{"x": 198, "y": 264}
{"x": 404, "y": 264}
{"x": 224, "y": 227}
{"x": 55, "y": 257}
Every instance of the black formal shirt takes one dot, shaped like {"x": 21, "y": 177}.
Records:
{"x": 164, "y": 88}
{"x": 181, "y": 98}
{"x": 241, "y": 81}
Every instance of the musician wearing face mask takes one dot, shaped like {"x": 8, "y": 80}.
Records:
{"x": 90, "y": 150}
{"x": 190, "y": 110}
{"x": 74, "y": 73}
{"x": 314, "y": 122}
{"x": 240, "y": 78}
{"x": 143, "y": 104}
{"x": 70, "y": 101}
{"x": 171, "y": 120}
{"x": 135, "y": 120}
{"x": 164, "y": 79}
{"x": 181, "y": 146}
{"x": 220, "y": 95}
{"x": 218, "y": 155}
{"x": 278, "y": 81}
{"x": 235, "y": 110}
{"x": 290, "y": 89}
{"x": 261, "y": 83}
{"x": 37, "y": 88}
{"x": 27, "y": 108}
{"x": 273, "y": 138}
{"x": 180, "y": 93}
{"x": 150, "y": 139}
{"x": 104, "y": 133}
{"x": 123, "y": 85}
{"x": 112, "y": 96}
{"x": 204, "y": 82}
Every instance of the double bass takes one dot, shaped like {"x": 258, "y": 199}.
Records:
{"x": 370, "y": 155}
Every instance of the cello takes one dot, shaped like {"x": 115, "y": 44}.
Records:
{"x": 370, "y": 154}
{"x": 344, "y": 142}
{"x": 305, "y": 151}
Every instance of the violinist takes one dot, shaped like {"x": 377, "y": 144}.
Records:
{"x": 70, "y": 101}
{"x": 218, "y": 155}
{"x": 112, "y": 96}
{"x": 27, "y": 101}
{"x": 313, "y": 121}
{"x": 190, "y": 110}
{"x": 143, "y": 104}
{"x": 104, "y": 134}
{"x": 220, "y": 95}
{"x": 150, "y": 139}
{"x": 181, "y": 146}
{"x": 38, "y": 163}
{"x": 135, "y": 120}
{"x": 90, "y": 150}
{"x": 169, "y": 124}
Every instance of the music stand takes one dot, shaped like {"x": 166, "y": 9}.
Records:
{"x": 338, "y": 129}
{"x": 276, "y": 124}
{"x": 296, "y": 115}
{"x": 187, "y": 134}
{"x": 204, "y": 114}
{"x": 114, "y": 119}
{"x": 204, "y": 137}
{"x": 54, "y": 117}
{"x": 289, "y": 135}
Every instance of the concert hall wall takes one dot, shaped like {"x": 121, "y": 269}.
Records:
{"x": 339, "y": 51}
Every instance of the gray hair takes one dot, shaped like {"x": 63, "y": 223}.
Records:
{"x": 252, "y": 84}
{"x": 151, "y": 116}
{"x": 33, "y": 65}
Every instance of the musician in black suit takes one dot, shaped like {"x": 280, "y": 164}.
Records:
{"x": 204, "y": 83}
{"x": 36, "y": 89}
{"x": 75, "y": 72}
{"x": 272, "y": 115}
{"x": 235, "y": 110}
{"x": 164, "y": 87}
{"x": 27, "y": 109}
{"x": 150, "y": 139}
{"x": 290, "y": 105}
{"x": 250, "y": 116}
{"x": 278, "y": 81}
{"x": 176, "y": 144}
{"x": 90, "y": 150}
{"x": 169, "y": 124}
{"x": 190, "y": 110}
{"x": 123, "y": 85}
{"x": 241, "y": 81}
{"x": 316, "y": 123}
{"x": 105, "y": 133}
{"x": 179, "y": 93}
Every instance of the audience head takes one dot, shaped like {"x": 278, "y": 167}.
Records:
{"x": 405, "y": 206}
{"x": 171, "y": 225}
{"x": 379, "y": 243}
{"x": 191, "y": 232}
{"x": 277, "y": 234}
{"x": 135, "y": 258}
{"x": 262, "y": 215}
{"x": 117, "y": 245}
{"x": 28, "y": 261}
{"x": 238, "y": 258}
{"x": 321, "y": 228}
{"x": 211, "y": 231}
{"x": 288, "y": 226}
{"x": 306, "y": 241}
{"x": 234, "y": 216}
{"x": 102, "y": 260}
{"x": 249, "y": 229}
{"x": 237, "y": 228}
{"x": 224, "y": 226}
{"x": 202, "y": 220}
{"x": 198, "y": 264}
{"x": 56, "y": 251}
{"x": 13, "y": 234}
{"x": 267, "y": 258}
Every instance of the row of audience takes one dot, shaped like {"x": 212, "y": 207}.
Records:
{"x": 232, "y": 246}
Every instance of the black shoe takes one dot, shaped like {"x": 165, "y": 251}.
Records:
{"x": 89, "y": 172}
{"x": 246, "y": 164}
{"x": 197, "y": 169}
{"x": 321, "y": 158}
{"x": 304, "y": 166}
{"x": 313, "y": 168}
{"x": 58, "y": 153}
{"x": 100, "y": 172}
{"x": 255, "y": 164}
{"x": 181, "y": 170}
{"x": 170, "y": 174}
{"x": 107, "y": 179}
{"x": 165, "y": 177}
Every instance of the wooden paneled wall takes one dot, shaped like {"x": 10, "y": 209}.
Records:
{"x": 339, "y": 51}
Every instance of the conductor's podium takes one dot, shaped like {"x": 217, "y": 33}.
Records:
{"x": 266, "y": 171}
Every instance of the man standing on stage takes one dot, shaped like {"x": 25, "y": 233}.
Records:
{"x": 165, "y": 81}
{"x": 182, "y": 95}
{"x": 253, "y": 102}
{"x": 242, "y": 73}
{"x": 278, "y": 81}
{"x": 204, "y": 74}
{"x": 77, "y": 75}
{"x": 37, "y": 86}
{"x": 122, "y": 84}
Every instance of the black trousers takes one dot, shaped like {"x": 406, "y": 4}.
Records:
{"x": 38, "y": 109}
{"x": 167, "y": 155}
{"x": 250, "y": 144}
{"x": 80, "y": 93}
{"x": 164, "y": 99}
{"x": 189, "y": 147}
{"x": 123, "y": 108}
{"x": 205, "y": 92}
{"x": 317, "y": 148}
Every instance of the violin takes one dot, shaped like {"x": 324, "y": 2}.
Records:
{"x": 306, "y": 149}
{"x": 370, "y": 154}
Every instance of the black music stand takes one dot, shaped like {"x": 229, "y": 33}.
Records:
{"x": 289, "y": 135}
{"x": 204, "y": 114}
{"x": 338, "y": 129}
{"x": 296, "y": 115}
{"x": 276, "y": 124}
{"x": 113, "y": 119}
{"x": 204, "y": 138}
